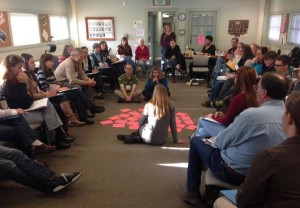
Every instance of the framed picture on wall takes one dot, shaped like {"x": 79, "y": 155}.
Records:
{"x": 100, "y": 28}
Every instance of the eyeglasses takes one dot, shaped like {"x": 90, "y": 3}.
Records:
{"x": 278, "y": 65}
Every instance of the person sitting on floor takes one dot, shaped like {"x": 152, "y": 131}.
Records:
{"x": 14, "y": 127}
{"x": 242, "y": 98}
{"x": 142, "y": 56}
{"x": 235, "y": 147}
{"x": 16, "y": 166}
{"x": 129, "y": 90}
{"x": 159, "y": 114}
{"x": 156, "y": 77}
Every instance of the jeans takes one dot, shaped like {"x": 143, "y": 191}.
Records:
{"x": 218, "y": 84}
{"x": 15, "y": 165}
{"x": 200, "y": 154}
{"x": 163, "y": 64}
{"x": 18, "y": 131}
{"x": 208, "y": 128}
{"x": 172, "y": 64}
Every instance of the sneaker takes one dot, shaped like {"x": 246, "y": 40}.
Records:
{"x": 64, "y": 180}
{"x": 43, "y": 148}
{"x": 206, "y": 104}
{"x": 191, "y": 197}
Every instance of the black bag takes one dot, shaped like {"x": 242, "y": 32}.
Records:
{"x": 295, "y": 55}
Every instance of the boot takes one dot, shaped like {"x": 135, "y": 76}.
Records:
{"x": 73, "y": 121}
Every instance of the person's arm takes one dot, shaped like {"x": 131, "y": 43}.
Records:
{"x": 149, "y": 85}
{"x": 235, "y": 133}
{"x": 42, "y": 81}
{"x": 147, "y": 55}
{"x": 137, "y": 53}
{"x": 72, "y": 75}
{"x": 134, "y": 86}
{"x": 237, "y": 105}
{"x": 253, "y": 192}
{"x": 129, "y": 51}
{"x": 212, "y": 50}
{"x": 168, "y": 54}
{"x": 16, "y": 95}
{"x": 144, "y": 117}
{"x": 178, "y": 54}
{"x": 7, "y": 112}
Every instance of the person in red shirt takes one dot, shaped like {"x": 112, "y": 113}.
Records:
{"x": 242, "y": 98}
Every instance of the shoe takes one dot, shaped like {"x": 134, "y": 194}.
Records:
{"x": 89, "y": 122}
{"x": 206, "y": 104}
{"x": 67, "y": 139}
{"x": 99, "y": 96}
{"x": 136, "y": 101}
{"x": 62, "y": 145}
{"x": 70, "y": 134}
{"x": 64, "y": 180}
{"x": 91, "y": 116}
{"x": 191, "y": 197}
{"x": 191, "y": 136}
{"x": 75, "y": 123}
{"x": 133, "y": 139}
{"x": 97, "y": 109}
{"x": 43, "y": 148}
{"x": 121, "y": 137}
{"x": 209, "y": 91}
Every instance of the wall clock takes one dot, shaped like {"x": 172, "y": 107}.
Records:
{"x": 181, "y": 16}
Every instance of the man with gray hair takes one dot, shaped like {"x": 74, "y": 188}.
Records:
{"x": 69, "y": 73}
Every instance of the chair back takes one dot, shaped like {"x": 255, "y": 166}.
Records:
{"x": 200, "y": 60}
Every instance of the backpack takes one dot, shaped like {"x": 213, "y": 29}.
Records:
{"x": 295, "y": 55}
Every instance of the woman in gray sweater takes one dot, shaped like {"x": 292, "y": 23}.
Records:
{"x": 158, "y": 115}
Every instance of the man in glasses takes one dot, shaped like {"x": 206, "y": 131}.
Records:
{"x": 129, "y": 91}
{"x": 252, "y": 131}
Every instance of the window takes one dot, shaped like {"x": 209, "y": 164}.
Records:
{"x": 25, "y": 29}
{"x": 202, "y": 24}
{"x": 59, "y": 27}
{"x": 274, "y": 28}
{"x": 294, "y": 29}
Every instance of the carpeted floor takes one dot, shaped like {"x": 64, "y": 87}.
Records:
{"x": 114, "y": 174}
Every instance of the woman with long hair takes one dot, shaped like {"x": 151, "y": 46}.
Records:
{"x": 66, "y": 52}
{"x": 158, "y": 115}
{"x": 18, "y": 95}
{"x": 47, "y": 82}
{"x": 124, "y": 52}
{"x": 165, "y": 38}
{"x": 243, "y": 97}
{"x": 156, "y": 77}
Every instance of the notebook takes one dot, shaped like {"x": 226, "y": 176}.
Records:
{"x": 230, "y": 194}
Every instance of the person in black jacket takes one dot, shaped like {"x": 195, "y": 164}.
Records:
{"x": 173, "y": 56}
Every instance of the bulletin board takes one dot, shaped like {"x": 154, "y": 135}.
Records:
{"x": 5, "y": 39}
{"x": 100, "y": 28}
{"x": 44, "y": 28}
{"x": 238, "y": 27}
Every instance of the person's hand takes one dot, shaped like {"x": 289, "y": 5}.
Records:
{"x": 63, "y": 89}
{"x": 178, "y": 66}
{"x": 128, "y": 98}
{"x": 22, "y": 77}
{"x": 182, "y": 141}
{"x": 254, "y": 60}
{"x": 50, "y": 93}
{"x": 155, "y": 79}
{"x": 209, "y": 115}
{"x": 105, "y": 64}
{"x": 91, "y": 82}
{"x": 20, "y": 111}
{"x": 219, "y": 113}
{"x": 113, "y": 60}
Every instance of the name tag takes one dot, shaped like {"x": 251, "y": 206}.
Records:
{"x": 128, "y": 87}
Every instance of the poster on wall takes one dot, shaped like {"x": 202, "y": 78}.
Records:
{"x": 100, "y": 28}
{"x": 238, "y": 27}
{"x": 44, "y": 28}
{"x": 5, "y": 40}
{"x": 284, "y": 29}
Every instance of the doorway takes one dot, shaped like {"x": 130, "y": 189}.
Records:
{"x": 156, "y": 20}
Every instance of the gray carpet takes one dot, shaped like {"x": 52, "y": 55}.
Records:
{"x": 115, "y": 174}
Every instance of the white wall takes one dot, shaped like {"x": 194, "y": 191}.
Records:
{"x": 56, "y": 7}
{"x": 138, "y": 10}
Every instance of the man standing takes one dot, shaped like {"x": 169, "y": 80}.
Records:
{"x": 129, "y": 91}
{"x": 253, "y": 130}
{"x": 70, "y": 73}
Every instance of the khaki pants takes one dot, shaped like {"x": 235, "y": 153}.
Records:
{"x": 137, "y": 95}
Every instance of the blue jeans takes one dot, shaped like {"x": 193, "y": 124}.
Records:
{"x": 163, "y": 64}
{"x": 200, "y": 154}
{"x": 218, "y": 84}
{"x": 172, "y": 64}
{"x": 15, "y": 165}
{"x": 207, "y": 128}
